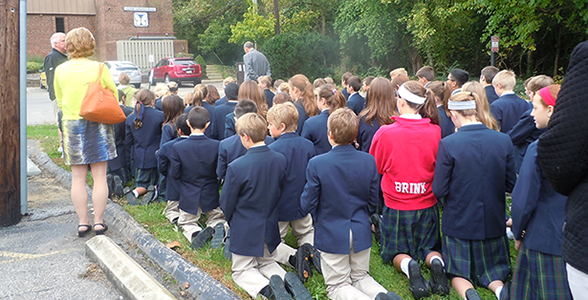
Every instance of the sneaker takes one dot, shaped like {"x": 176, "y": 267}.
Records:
{"x": 148, "y": 196}
{"x": 118, "y": 186}
{"x": 110, "y": 184}
{"x": 301, "y": 263}
{"x": 60, "y": 149}
{"x": 201, "y": 238}
{"x": 376, "y": 220}
{"x": 315, "y": 257}
{"x": 278, "y": 288}
{"x": 131, "y": 199}
{"x": 418, "y": 285}
{"x": 227, "y": 248}
{"x": 218, "y": 237}
{"x": 471, "y": 294}
{"x": 295, "y": 287}
{"x": 439, "y": 283}
{"x": 390, "y": 295}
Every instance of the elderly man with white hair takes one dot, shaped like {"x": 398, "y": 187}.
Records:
{"x": 56, "y": 57}
{"x": 256, "y": 64}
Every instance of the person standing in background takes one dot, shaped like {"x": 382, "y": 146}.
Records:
{"x": 56, "y": 57}
{"x": 256, "y": 64}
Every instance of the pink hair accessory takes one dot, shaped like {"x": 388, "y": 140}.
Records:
{"x": 546, "y": 96}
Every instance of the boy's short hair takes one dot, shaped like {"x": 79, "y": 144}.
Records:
{"x": 319, "y": 82}
{"x": 123, "y": 78}
{"x": 265, "y": 80}
{"x": 198, "y": 117}
{"x": 398, "y": 71}
{"x": 489, "y": 72}
{"x": 329, "y": 80}
{"x": 253, "y": 125}
{"x": 354, "y": 82}
{"x": 282, "y": 98}
{"x": 506, "y": 78}
{"x": 368, "y": 80}
{"x": 343, "y": 124}
{"x": 182, "y": 125}
{"x": 284, "y": 113}
{"x": 538, "y": 82}
{"x": 228, "y": 80}
{"x": 345, "y": 77}
{"x": 285, "y": 87}
{"x": 427, "y": 72}
{"x": 245, "y": 106}
{"x": 232, "y": 91}
{"x": 277, "y": 83}
{"x": 460, "y": 76}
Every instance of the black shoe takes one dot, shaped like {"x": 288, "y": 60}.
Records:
{"x": 376, "y": 220}
{"x": 102, "y": 230}
{"x": 201, "y": 238}
{"x": 295, "y": 287}
{"x": 471, "y": 294}
{"x": 418, "y": 285}
{"x": 82, "y": 233}
{"x": 314, "y": 257}
{"x": 278, "y": 288}
{"x": 439, "y": 283}
{"x": 148, "y": 196}
{"x": 218, "y": 237}
{"x": 505, "y": 293}
{"x": 118, "y": 186}
{"x": 131, "y": 199}
{"x": 393, "y": 296}
{"x": 227, "y": 249}
{"x": 301, "y": 263}
{"x": 110, "y": 184}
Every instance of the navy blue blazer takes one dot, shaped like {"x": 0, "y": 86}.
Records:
{"x": 168, "y": 133}
{"x": 474, "y": 168}
{"x": 298, "y": 151}
{"x": 250, "y": 198}
{"x": 164, "y": 156}
{"x": 220, "y": 113}
{"x": 123, "y": 153}
{"x": 365, "y": 134}
{"x": 445, "y": 122}
{"x": 230, "y": 149}
{"x": 157, "y": 104}
{"x": 340, "y": 198}
{"x": 537, "y": 208}
{"x": 522, "y": 134}
{"x": 345, "y": 93}
{"x": 145, "y": 140}
{"x": 230, "y": 125}
{"x": 302, "y": 117}
{"x": 507, "y": 111}
{"x": 490, "y": 94}
{"x": 220, "y": 101}
{"x": 209, "y": 130}
{"x": 356, "y": 103}
{"x": 315, "y": 129}
{"x": 269, "y": 98}
{"x": 193, "y": 163}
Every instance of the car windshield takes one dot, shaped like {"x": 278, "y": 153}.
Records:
{"x": 123, "y": 67}
{"x": 184, "y": 62}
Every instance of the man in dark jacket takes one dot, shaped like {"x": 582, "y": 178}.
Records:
{"x": 52, "y": 60}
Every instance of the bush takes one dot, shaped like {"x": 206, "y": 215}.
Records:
{"x": 33, "y": 67}
{"x": 311, "y": 54}
{"x": 200, "y": 60}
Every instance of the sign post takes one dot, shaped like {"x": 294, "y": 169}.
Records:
{"x": 494, "y": 49}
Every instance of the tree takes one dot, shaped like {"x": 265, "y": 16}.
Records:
{"x": 254, "y": 27}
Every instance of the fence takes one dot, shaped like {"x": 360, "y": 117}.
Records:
{"x": 144, "y": 53}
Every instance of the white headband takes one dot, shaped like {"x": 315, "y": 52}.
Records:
{"x": 461, "y": 105}
{"x": 407, "y": 95}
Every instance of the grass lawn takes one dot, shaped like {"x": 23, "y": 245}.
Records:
{"x": 213, "y": 262}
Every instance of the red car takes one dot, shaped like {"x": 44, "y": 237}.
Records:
{"x": 180, "y": 70}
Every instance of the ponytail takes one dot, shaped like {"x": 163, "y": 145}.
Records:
{"x": 143, "y": 97}
{"x": 332, "y": 95}
{"x": 429, "y": 108}
{"x": 307, "y": 100}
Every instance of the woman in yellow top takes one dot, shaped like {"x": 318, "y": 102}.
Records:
{"x": 85, "y": 143}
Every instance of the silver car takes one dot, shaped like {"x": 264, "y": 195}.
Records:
{"x": 117, "y": 67}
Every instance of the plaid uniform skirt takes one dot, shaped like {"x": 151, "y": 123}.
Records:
{"x": 479, "y": 261}
{"x": 146, "y": 177}
{"x": 412, "y": 232}
{"x": 86, "y": 142}
{"x": 539, "y": 276}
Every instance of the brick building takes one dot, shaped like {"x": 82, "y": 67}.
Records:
{"x": 109, "y": 21}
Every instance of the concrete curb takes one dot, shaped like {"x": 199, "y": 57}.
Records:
{"x": 127, "y": 276}
{"x": 202, "y": 285}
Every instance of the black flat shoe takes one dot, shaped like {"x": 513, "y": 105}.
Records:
{"x": 102, "y": 230}
{"x": 82, "y": 233}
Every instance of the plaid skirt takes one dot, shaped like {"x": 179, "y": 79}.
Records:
{"x": 539, "y": 276}
{"x": 479, "y": 261}
{"x": 146, "y": 177}
{"x": 412, "y": 232}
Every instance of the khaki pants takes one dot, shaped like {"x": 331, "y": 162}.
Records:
{"x": 302, "y": 230}
{"x": 189, "y": 222}
{"x": 172, "y": 210}
{"x": 578, "y": 282}
{"x": 253, "y": 273}
{"x": 346, "y": 275}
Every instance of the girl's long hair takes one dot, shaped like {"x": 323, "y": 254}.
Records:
{"x": 381, "y": 104}
{"x": 250, "y": 90}
{"x": 306, "y": 99}
{"x": 482, "y": 105}
{"x": 427, "y": 109}
{"x": 200, "y": 93}
{"x": 332, "y": 95}
{"x": 172, "y": 106}
{"x": 481, "y": 114}
{"x": 144, "y": 97}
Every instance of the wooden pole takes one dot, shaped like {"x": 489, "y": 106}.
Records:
{"x": 9, "y": 113}
{"x": 277, "y": 16}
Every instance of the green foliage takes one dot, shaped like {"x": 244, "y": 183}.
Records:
{"x": 200, "y": 60}
{"x": 215, "y": 42}
{"x": 311, "y": 54}
{"x": 254, "y": 27}
{"x": 36, "y": 58}
{"x": 182, "y": 54}
{"x": 33, "y": 67}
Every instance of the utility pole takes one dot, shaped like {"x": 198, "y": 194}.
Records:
{"x": 277, "y": 16}
{"x": 9, "y": 113}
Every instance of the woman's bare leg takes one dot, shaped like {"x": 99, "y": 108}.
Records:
{"x": 99, "y": 191}
{"x": 79, "y": 196}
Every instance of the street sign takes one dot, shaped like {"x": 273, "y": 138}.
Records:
{"x": 494, "y": 41}
{"x": 132, "y": 8}
{"x": 141, "y": 19}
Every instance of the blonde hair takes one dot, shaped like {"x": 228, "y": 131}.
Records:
{"x": 343, "y": 125}
{"x": 265, "y": 80}
{"x": 228, "y": 80}
{"x": 538, "y": 82}
{"x": 398, "y": 71}
{"x": 189, "y": 98}
{"x": 284, "y": 113}
{"x": 252, "y": 125}
{"x": 285, "y": 87}
{"x": 483, "y": 107}
{"x": 161, "y": 90}
{"x": 481, "y": 114}
{"x": 200, "y": 93}
{"x": 506, "y": 78}
{"x": 80, "y": 42}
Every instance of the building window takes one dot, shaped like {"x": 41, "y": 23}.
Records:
{"x": 59, "y": 25}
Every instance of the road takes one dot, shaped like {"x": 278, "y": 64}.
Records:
{"x": 40, "y": 108}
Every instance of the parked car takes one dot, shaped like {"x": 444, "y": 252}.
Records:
{"x": 179, "y": 70}
{"x": 117, "y": 67}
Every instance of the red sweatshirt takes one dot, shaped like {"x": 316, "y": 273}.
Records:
{"x": 405, "y": 154}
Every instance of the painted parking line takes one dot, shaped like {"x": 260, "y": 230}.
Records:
{"x": 15, "y": 256}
